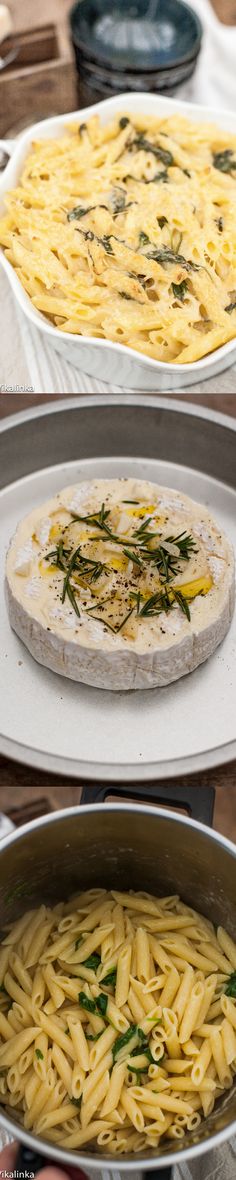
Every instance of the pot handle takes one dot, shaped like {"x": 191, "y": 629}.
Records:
{"x": 199, "y": 803}
{"x": 162, "y": 1174}
{"x": 29, "y": 1161}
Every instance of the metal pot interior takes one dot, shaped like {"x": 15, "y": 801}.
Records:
{"x": 127, "y": 848}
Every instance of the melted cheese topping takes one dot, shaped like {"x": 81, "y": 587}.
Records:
{"x": 126, "y": 232}
{"x": 118, "y": 576}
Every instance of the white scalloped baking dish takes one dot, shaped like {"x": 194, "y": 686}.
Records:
{"x": 104, "y": 359}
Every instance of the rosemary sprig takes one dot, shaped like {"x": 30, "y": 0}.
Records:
{"x": 166, "y": 562}
{"x": 161, "y": 601}
{"x": 133, "y": 557}
{"x": 116, "y": 629}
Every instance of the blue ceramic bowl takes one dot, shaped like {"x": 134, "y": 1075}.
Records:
{"x": 144, "y": 35}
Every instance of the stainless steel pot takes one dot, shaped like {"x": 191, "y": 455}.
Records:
{"x": 127, "y": 846}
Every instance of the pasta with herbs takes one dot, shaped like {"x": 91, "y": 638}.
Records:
{"x": 126, "y": 232}
{"x": 117, "y": 1020}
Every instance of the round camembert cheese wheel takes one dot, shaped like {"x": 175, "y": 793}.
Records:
{"x": 121, "y": 584}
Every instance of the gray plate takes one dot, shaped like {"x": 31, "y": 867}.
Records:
{"x": 52, "y": 723}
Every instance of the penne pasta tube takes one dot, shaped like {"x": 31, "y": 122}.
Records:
{"x": 119, "y": 926}
{"x": 201, "y": 1062}
{"x": 163, "y": 1101}
{"x": 113, "y": 1096}
{"x": 122, "y": 976}
{"x": 229, "y": 1041}
{"x": 170, "y": 988}
{"x": 79, "y": 1137}
{"x": 95, "y": 1100}
{"x": 55, "y": 1033}
{"x": 219, "y": 1058}
{"x": 17, "y": 1045}
{"x": 215, "y": 955}
{"x": 77, "y": 1082}
{"x": 105, "y": 1042}
{"x": 40, "y": 1055}
{"x": 91, "y": 1082}
{"x": 209, "y": 991}
{"x": 227, "y": 946}
{"x": 6, "y": 1030}
{"x": 53, "y": 1118}
{"x": 63, "y": 1068}
{"x": 132, "y": 1109}
{"x": 190, "y": 1016}
{"x": 229, "y": 1009}
{"x": 79, "y": 1042}
{"x": 40, "y": 1098}
{"x": 14, "y": 934}
{"x": 189, "y": 955}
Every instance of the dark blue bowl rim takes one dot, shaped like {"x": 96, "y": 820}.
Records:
{"x": 87, "y": 60}
{"x": 100, "y": 58}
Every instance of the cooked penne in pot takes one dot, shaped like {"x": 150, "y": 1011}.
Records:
{"x": 102, "y": 1050}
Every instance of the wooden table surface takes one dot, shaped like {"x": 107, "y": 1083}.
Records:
{"x": 16, "y": 780}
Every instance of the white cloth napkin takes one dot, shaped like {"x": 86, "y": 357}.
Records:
{"x": 214, "y": 81}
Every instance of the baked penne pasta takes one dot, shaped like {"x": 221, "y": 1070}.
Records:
{"x": 126, "y": 231}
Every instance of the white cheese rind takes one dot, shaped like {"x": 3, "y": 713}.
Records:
{"x": 80, "y": 649}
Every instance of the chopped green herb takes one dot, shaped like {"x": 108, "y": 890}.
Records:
{"x": 39, "y": 1054}
{"x": 162, "y": 221}
{"x": 86, "y": 1003}
{"x": 123, "y": 122}
{"x": 138, "y": 1072}
{"x": 220, "y": 224}
{"x": 165, "y": 255}
{"x": 231, "y": 306}
{"x": 89, "y": 1036}
{"x": 143, "y": 239}
{"x": 110, "y": 979}
{"x": 224, "y": 161}
{"x": 76, "y": 1101}
{"x": 93, "y": 961}
{"x": 82, "y": 127}
{"x": 142, "y": 1037}
{"x": 78, "y": 942}
{"x": 179, "y": 290}
{"x": 230, "y": 990}
{"x": 133, "y": 557}
{"x": 101, "y": 1003}
{"x": 142, "y": 144}
{"x": 79, "y": 211}
{"x": 123, "y": 1040}
{"x": 118, "y": 199}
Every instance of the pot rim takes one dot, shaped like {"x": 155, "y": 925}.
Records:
{"x": 83, "y": 1158}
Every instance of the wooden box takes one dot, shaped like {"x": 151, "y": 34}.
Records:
{"x": 41, "y": 81}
